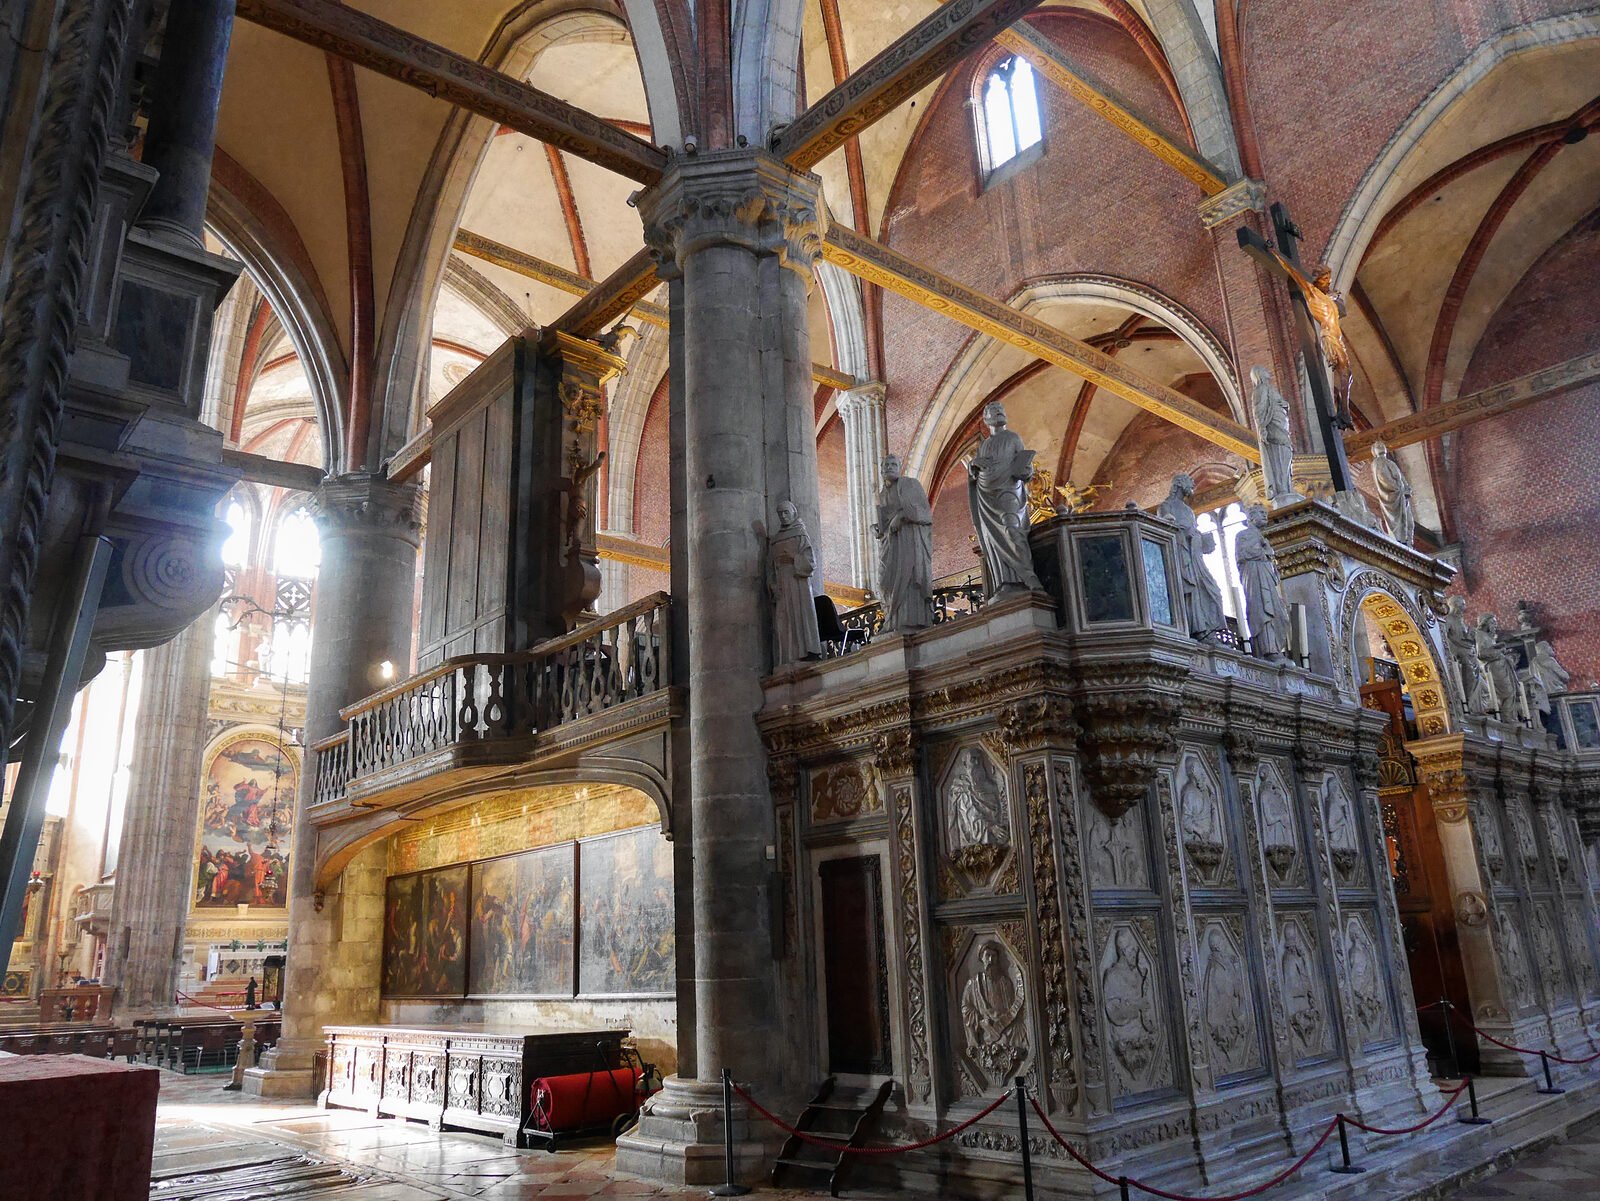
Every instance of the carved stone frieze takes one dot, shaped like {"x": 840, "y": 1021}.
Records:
{"x": 1367, "y": 994}
{"x": 975, "y": 819}
{"x": 1202, "y": 820}
{"x": 1280, "y": 842}
{"x": 1075, "y": 914}
{"x": 1515, "y": 979}
{"x": 1117, "y": 851}
{"x": 1344, "y": 837}
{"x": 845, "y": 792}
{"x": 1304, "y": 997}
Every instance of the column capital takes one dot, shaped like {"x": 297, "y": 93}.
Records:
{"x": 745, "y": 198}
{"x": 365, "y": 501}
{"x": 1232, "y": 201}
{"x": 865, "y": 397}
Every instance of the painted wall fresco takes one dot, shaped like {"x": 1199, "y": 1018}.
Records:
{"x": 425, "y": 934}
{"x": 625, "y": 930}
{"x": 523, "y": 924}
{"x": 246, "y": 825}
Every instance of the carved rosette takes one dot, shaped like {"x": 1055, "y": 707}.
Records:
{"x": 360, "y": 503}
{"x": 744, "y": 198}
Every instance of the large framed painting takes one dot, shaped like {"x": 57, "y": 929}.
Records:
{"x": 425, "y": 934}
{"x": 246, "y": 824}
{"x": 523, "y": 915}
{"x": 625, "y": 927}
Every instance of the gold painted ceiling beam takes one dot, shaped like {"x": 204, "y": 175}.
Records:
{"x": 904, "y": 68}
{"x": 368, "y": 42}
{"x": 878, "y": 264}
{"x": 641, "y": 554}
{"x": 1099, "y": 98}
{"x": 1479, "y": 406}
{"x": 557, "y": 276}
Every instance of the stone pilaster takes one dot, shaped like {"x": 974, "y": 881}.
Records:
{"x": 861, "y": 411}
{"x": 156, "y": 862}
{"x": 361, "y": 619}
{"x": 737, "y": 232}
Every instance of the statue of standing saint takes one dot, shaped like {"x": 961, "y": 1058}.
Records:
{"x": 1500, "y": 678}
{"x": 1201, "y": 596}
{"x": 1463, "y": 650}
{"x": 1394, "y": 494}
{"x": 905, "y": 550}
{"x": 791, "y": 562}
{"x": 1265, "y": 610}
{"x": 1277, "y": 450}
{"x": 997, "y": 492}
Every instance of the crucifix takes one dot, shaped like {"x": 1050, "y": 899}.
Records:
{"x": 1318, "y": 311}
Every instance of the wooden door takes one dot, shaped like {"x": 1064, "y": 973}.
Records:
{"x": 855, "y": 971}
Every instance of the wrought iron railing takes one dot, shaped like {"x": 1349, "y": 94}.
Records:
{"x": 480, "y": 698}
{"x": 949, "y": 603}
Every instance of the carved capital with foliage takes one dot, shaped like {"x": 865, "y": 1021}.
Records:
{"x": 1127, "y": 733}
{"x": 1037, "y": 721}
{"x": 360, "y": 502}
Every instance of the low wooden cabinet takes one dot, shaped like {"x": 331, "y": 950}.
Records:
{"x": 461, "y": 1079}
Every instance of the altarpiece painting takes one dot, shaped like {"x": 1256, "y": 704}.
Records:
{"x": 246, "y": 825}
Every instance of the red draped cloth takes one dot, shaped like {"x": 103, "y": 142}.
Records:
{"x": 77, "y": 1129}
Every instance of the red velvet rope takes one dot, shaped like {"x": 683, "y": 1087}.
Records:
{"x": 1422, "y": 1125}
{"x": 1454, "y": 1011}
{"x": 835, "y": 1147}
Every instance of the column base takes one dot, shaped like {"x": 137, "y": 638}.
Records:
{"x": 287, "y": 1070}
{"x": 679, "y": 1138}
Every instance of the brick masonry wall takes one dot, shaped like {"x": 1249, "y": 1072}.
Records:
{"x": 1528, "y": 484}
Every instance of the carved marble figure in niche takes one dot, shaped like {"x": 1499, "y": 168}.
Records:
{"x": 1229, "y": 1014}
{"x": 791, "y": 562}
{"x": 997, "y": 493}
{"x": 904, "y": 530}
{"x": 1366, "y": 985}
{"x": 1300, "y": 993}
{"x": 1127, "y": 983}
{"x": 1544, "y": 678}
{"x": 1277, "y": 448}
{"x": 1265, "y": 610}
{"x": 1499, "y": 678}
{"x": 976, "y": 804}
{"x": 1394, "y": 494}
{"x": 1277, "y": 828}
{"x": 991, "y": 1016}
{"x": 1340, "y": 815}
{"x": 1544, "y": 945}
{"x": 1527, "y": 844}
{"x": 1201, "y": 597}
{"x": 1488, "y": 828}
{"x": 1463, "y": 650}
{"x": 1555, "y": 830}
{"x": 1512, "y": 961}
{"x": 1200, "y": 810}
{"x": 1116, "y": 859}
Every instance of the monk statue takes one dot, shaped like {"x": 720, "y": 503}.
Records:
{"x": 905, "y": 550}
{"x": 1272, "y": 426}
{"x": 1201, "y": 596}
{"x": 1265, "y": 610}
{"x": 1394, "y": 494}
{"x": 1544, "y": 678}
{"x": 1327, "y": 310}
{"x": 791, "y": 562}
{"x": 997, "y": 492}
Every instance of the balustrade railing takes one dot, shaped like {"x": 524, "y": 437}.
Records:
{"x": 947, "y": 604}
{"x": 479, "y": 698}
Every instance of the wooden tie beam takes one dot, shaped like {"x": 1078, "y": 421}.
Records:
{"x": 904, "y": 68}
{"x": 259, "y": 469}
{"x": 1051, "y": 61}
{"x": 1479, "y": 406}
{"x": 368, "y": 42}
{"x": 878, "y": 264}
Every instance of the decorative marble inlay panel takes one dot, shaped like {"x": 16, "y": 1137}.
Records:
{"x": 1344, "y": 836}
{"x": 1118, "y": 849}
{"x": 1304, "y": 997}
{"x": 989, "y": 1027}
{"x": 1135, "y": 1006}
{"x": 976, "y": 816}
{"x": 1203, "y": 822}
{"x": 845, "y": 791}
{"x": 1229, "y": 1010}
{"x": 1367, "y": 993}
{"x": 1280, "y": 840}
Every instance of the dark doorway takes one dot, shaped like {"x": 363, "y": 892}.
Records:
{"x": 1421, "y": 887}
{"x": 856, "y": 974}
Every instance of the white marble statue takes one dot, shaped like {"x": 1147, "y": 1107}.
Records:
{"x": 1544, "y": 677}
{"x": 905, "y": 550}
{"x": 1499, "y": 678}
{"x": 1265, "y": 610}
{"x": 1463, "y": 650}
{"x": 791, "y": 562}
{"x": 997, "y": 491}
{"x": 1201, "y": 596}
{"x": 977, "y": 802}
{"x": 1394, "y": 494}
{"x": 1272, "y": 425}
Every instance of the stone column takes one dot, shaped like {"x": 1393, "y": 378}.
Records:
{"x": 155, "y": 867}
{"x": 183, "y": 116}
{"x": 738, "y": 230}
{"x": 861, "y": 410}
{"x": 361, "y": 617}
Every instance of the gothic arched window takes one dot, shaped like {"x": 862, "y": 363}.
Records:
{"x": 297, "y": 550}
{"x": 1012, "y": 121}
{"x": 236, "y": 548}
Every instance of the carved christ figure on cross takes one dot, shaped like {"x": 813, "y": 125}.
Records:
{"x": 1327, "y": 309}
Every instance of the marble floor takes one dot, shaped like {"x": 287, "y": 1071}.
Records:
{"x": 217, "y": 1146}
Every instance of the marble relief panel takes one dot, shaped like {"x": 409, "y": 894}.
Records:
{"x": 1515, "y": 979}
{"x": 1280, "y": 836}
{"x": 1203, "y": 822}
{"x": 1134, "y": 1005}
{"x": 1343, "y": 830}
{"x": 1525, "y": 843}
{"x": 988, "y": 993}
{"x": 1369, "y": 995}
{"x": 1118, "y": 850}
{"x": 1228, "y": 1008}
{"x": 975, "y": 831}
{"x": 1486, "y": 822}
{"x": 845, "y": 792}
{"x": 1547, "y": 948}
{"x": 1305, "y": 993}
